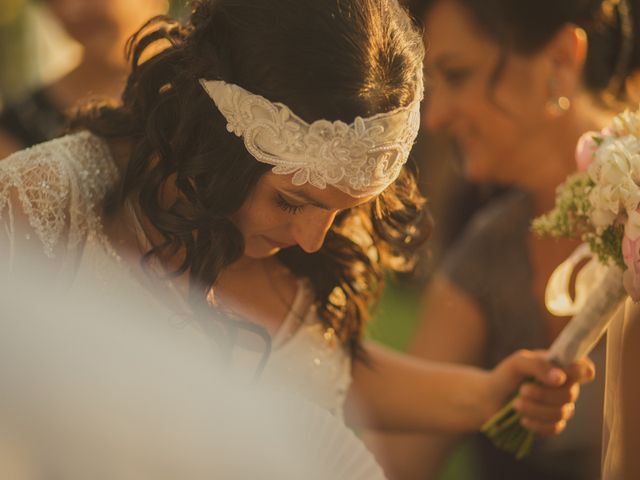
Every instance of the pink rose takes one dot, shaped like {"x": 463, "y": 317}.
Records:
{"x": 631, "y": 277}
{"x": 585, "y": 150}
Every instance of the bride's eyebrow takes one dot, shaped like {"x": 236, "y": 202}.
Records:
{"x": 301, "y": 195}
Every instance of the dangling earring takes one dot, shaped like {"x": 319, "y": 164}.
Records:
{"x": 557, "y": 104}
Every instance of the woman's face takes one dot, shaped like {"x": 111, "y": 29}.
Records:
{"x": 102, "y": 25}
{"x": 278, "y": 214}
{"x": 492, "y": 123}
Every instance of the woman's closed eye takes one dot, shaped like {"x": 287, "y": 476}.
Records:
{"x": 287, "y": 206}
{"x": 455, "y": 77}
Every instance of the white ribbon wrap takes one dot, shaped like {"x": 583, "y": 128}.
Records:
{"x": 599, "y": 291}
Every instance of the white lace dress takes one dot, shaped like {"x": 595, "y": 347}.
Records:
{"x": 50, "y": 198}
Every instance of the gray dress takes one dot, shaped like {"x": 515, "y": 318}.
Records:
{"x": 490, "y": 263}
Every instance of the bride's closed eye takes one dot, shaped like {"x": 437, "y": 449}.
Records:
{"x": 288, "y": 207}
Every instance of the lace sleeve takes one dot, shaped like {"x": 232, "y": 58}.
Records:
{"x": 35, "y": 196}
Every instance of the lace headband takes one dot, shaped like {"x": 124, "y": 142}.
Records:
{"x": 360, "y": 159}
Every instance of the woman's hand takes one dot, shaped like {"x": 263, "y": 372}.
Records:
{"x": 546, "y": 404}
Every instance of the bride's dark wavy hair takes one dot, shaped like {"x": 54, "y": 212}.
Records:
{"x": 333, "y": 59}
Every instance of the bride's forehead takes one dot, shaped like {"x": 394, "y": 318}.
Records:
{"x": 330, "y": 196}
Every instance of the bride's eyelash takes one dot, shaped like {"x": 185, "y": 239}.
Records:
{"x": 286, "y": 206}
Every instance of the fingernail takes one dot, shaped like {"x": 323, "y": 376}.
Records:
{"x": 517, "y": 404}
{"x": 555, "y": 375}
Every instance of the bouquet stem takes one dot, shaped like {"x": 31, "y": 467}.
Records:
{"x": 575, "y": 341}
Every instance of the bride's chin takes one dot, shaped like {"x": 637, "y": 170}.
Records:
{"x": 261, "y": 256}
{"x": 258, "y": 253}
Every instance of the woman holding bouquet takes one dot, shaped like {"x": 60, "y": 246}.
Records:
{"x": 257, "y": 168}
{"x": 515, "y": 84}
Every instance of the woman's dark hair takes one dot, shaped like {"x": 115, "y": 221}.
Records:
{"x": 526, "y": 26}
{"x": 333, "y": 59}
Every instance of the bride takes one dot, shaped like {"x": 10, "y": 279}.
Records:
{"x": 258, "y": 168}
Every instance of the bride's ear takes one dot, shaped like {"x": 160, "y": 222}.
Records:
{"x": 567, "y": 53}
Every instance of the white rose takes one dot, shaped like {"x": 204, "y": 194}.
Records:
{"x": 629, "y": 195}
{"x": 614, "y": 191}
{"x": 610, "y": 165}
{"x": 616, "y": 173}
{"x": 601, "y": 219}
{"x": 629, "y": 147}
{"x": 605, "y": 202}
{"x": 626, "y": 123}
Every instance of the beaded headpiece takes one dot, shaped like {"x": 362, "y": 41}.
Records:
{"x": 361, "y": 158}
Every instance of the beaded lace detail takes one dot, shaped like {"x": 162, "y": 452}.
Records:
{"x": 58, "y": 184}
{"x": 360, "y": 159}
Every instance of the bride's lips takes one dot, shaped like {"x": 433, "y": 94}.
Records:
{"x": 275, "y": 243}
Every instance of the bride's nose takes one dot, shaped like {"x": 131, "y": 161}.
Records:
{"x": 309, "y": 231}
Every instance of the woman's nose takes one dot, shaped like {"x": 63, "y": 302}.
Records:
{"x": 437, "y": 110}
{"x": 309, "y": 231}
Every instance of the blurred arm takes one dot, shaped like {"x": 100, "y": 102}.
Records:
{"x": 452, "y": 329}
{"x": 403, "y": 393}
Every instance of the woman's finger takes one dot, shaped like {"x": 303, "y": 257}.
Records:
{"x": 526, "y": 363}
{"x": 543, "y": 428}
{"x": 544, "y": 413}
{"x": 583, "y": 371}
{"x": 533, "y": 392}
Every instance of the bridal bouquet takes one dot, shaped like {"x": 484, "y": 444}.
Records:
{"x": 600, "y": 204}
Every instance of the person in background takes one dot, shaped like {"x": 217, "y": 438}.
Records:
{"x": 102, "y": 28}
{"x": 515, "y": 84}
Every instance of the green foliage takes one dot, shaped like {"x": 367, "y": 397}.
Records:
{"x": 608, "y": 245}
{"x": 570, "y": 218}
